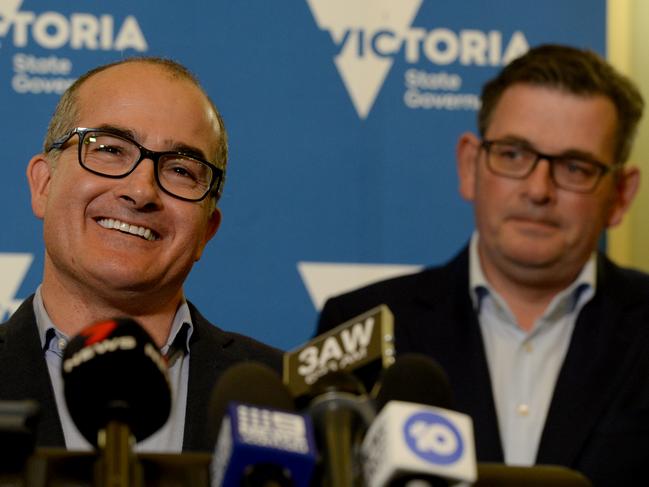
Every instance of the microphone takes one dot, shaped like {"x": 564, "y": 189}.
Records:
{"x": 363, "y": 345}
{"x": 261, "y": 441}
{"x": 318, "y": 374}
{"x": 414, "y": 377}
{"x": 341, "y": 413}
{"x": 412, "y": 439}
{"x": 117, "y": 390}
{"x": 113, "y": 371}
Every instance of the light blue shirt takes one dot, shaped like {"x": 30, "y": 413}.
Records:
{"x": 524, "y": 365}
{"x": 169, "y": 439}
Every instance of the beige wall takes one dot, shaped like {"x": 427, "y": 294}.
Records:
{"x": 628, "y": 50}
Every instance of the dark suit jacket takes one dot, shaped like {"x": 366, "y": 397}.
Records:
{"x": 598, "y": 421}
{"x": 24, "y": 375}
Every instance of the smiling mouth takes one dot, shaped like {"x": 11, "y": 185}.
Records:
{"x": 143, "y": 232}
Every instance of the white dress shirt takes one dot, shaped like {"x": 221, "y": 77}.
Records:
{"x": 524, "y": 365}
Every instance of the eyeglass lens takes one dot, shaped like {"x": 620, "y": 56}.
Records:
{"x": 112, "y": 155}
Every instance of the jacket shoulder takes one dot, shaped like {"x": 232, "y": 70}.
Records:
{"x": 233, "y": 347}
{"x": 401, "y": 293}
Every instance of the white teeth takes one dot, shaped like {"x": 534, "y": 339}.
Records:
{"x": 110, "y": 223}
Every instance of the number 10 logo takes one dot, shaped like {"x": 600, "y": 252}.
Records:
{"x": 433, "y": 438}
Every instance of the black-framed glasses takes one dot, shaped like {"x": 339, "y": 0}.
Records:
{"x": 572, "y": 173}
{"x": 111, "y": 154}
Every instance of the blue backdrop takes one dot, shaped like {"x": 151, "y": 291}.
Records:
{"x": 342, "y": 115}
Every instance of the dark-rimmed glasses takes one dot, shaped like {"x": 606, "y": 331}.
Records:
{"x": 114, "y": 155}
{"x": 572, "y": 173}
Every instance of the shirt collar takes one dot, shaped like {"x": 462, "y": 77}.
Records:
{"x": 55, "y": 340}
{"x": 180, "y": 334}
{"x": 51, "y": 337}
{"x": 577, "y": 293}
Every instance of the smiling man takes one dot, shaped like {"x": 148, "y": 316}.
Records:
{"x": 127, "y": 188}
{"x": 544, "y": 339}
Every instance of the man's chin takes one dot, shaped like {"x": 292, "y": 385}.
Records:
{"x": 534, "y": 257}
{"x": 124, "y": 281}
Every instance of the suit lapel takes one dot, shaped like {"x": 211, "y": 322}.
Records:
{"x": 207, "y": 360}
{"x": 450, "y": 325}
{"x": 25, "y": 374}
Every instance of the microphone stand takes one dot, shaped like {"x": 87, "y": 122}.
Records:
{"x": 117, "y": 465}
{"x": 340, "y": 411}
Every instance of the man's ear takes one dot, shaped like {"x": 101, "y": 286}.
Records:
{"x": 466, "y": 152}
{"x": 626, "y": 187}
{"x": 213, "y": 224}
{"x": 39, "y": 176}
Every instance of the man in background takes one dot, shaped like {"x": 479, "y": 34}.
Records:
{"x": 543, "y": 338}
{"x": 127, "y": 188}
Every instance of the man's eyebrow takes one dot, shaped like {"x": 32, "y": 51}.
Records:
{"x": 173, "y": 146}
{"x": 515, "y": 140}
{"x": 117, "y": 130}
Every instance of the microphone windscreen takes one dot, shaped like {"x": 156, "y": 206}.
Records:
{"x": 112, "y": 370}
{"x": 251, "y": 383}
{"x": 414, "y": 378}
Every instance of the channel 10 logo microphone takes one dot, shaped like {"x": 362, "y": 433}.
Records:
{"x": 363, "y": 345}
{"x": 408, "y": 439}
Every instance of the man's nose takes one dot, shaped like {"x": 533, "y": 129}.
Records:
{"x": 141, "y": 186}
{"x": 540, "y": 184}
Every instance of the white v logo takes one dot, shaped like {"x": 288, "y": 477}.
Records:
{"x": 352, "y": 25}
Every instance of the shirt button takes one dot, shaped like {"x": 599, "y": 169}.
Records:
{"x": 62, "y": 344}
{"x": 528, "y": 347}
{"x": 522, "y": 409}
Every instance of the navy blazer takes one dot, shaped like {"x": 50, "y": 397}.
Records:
{"x": 598, "y": 420}
{"x": 24, "y": 374}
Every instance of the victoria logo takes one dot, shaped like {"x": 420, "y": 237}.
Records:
{"x": 356, "y": 27}
{"x": 31, "y": 32}
{"x": 433, "y": 438}
{"x": 369, "y": 34}
{"x": 79, "y": 30}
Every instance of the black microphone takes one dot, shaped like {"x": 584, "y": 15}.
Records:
{"x": 414, "y": 378}
{"x": 261, "y": 441}
{"x": 319, "y": 375}
{"x": 416, "y": 438}
{"x": 113, "y": 371}
{"x": 117, "y": 390}
{"x": 250, "y": 383}
{"x": 341, "y": 413}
